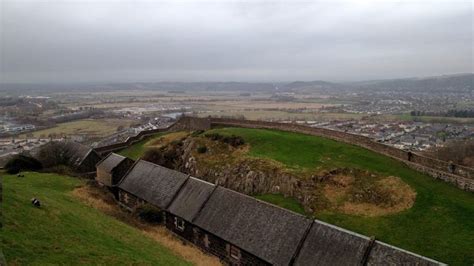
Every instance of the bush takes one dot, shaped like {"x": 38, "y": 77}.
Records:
{"x": 22, "y": 163}
{"x": 214, "y": 136}
{"x": 167, "y": 157}
{"x": 57, "y": 153}
{"x": 197, "y": 133}
{"x": 150, "y": 214}
{"x": 202, "y": 149}
{"x": 233, "y": 140}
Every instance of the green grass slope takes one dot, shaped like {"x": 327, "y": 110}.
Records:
{"x": 66, "y": 231}
{"x": 440, "y": 225}
{"x": 138, "y": 149}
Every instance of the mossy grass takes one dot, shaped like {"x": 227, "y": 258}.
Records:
{"x": 65, "y": 231}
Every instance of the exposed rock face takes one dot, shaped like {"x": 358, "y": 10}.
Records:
{"x": 342, "y": 189}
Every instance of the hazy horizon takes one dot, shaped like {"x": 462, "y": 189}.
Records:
{"x": 143, "y": 41}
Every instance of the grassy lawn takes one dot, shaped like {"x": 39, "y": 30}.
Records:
{"x": 98, "y": 128}
{"x": 66, "y": 231}
{"x": 138, "y": 149}
{"x": 282, "y": 201}
{"x": 440, "y": 225}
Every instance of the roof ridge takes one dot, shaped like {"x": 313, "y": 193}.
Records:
{"x": 266, "y": 203}
{"x": 103, "y": 159}
{"x": 177, "y": 192}
{"x": 367, "y": 251}
{"x": 200, "y": 180}
{"x": 128, "y": 172}
{"x": 301, "y": 243}
{"x": 204, "y": 204}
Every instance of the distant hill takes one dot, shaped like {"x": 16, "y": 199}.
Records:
{"x": 308, "y": 85}
{"x": 446, "y": 83}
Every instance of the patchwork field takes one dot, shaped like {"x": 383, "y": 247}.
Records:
{"x": 434, "y": 219}
{"x": 91, "y": 127}
{"x": 65, "y": 231}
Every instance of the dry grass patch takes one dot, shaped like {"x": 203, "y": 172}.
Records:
{"x": 102, "y": 200}
{"x": 166, "y": 139}
{"x": 385, "y": 196}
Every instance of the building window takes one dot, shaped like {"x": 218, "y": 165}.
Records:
{"x": 179, "y": 223}
{"x": 234, "y": 252}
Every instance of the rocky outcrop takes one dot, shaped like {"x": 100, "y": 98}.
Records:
{"x": 230, "y": 167}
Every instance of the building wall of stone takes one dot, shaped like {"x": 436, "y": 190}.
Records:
{"x": 128, "y": 200}
{"x": 221, "y": 249}
{"x": 103, "y": 177}
{"x": 187, "y": 233}
{"x": 210, "y": 243}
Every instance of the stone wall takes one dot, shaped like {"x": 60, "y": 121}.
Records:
{"x": 184, "y": 123}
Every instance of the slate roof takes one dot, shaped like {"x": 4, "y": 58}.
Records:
{"x": 110, "y": 162}
{"x": 326, "y": 244}
{"x": 155, "y": 184}
{"x": 267, "y": 231}
{"x": 384, "y": 254}
{"x": 80, "y": 152}
{"x": 191, "y": 198}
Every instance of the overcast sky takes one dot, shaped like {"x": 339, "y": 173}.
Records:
{"x": 81, "y": 41}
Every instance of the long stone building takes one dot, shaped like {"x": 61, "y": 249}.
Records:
{"x": 242, "y": 230}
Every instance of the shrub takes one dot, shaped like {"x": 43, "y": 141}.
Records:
{"x": 214, "y": 136}
{"x": 202, "y": 149}
{"x": 167, "y": 157}
{"x": 197, "y": 133}
{"x": 233, "y": 140}
{"x": 57, "y": 153}
{"x": 21, "y": 163}
{"x": 150, "y": 214}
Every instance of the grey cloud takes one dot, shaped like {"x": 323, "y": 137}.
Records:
{"x": 60, "y": 41}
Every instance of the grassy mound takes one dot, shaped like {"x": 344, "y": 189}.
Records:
{"x": 66, "y": 231}
{"x": 138, "y": 149}
{"x": 439, "y": 225}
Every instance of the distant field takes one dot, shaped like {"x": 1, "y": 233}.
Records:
{"x": 96, "y": 128}
{"x": 65, "y": 231}
{"x": 440, "y": 225}
{"x": 282, "y": 115}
